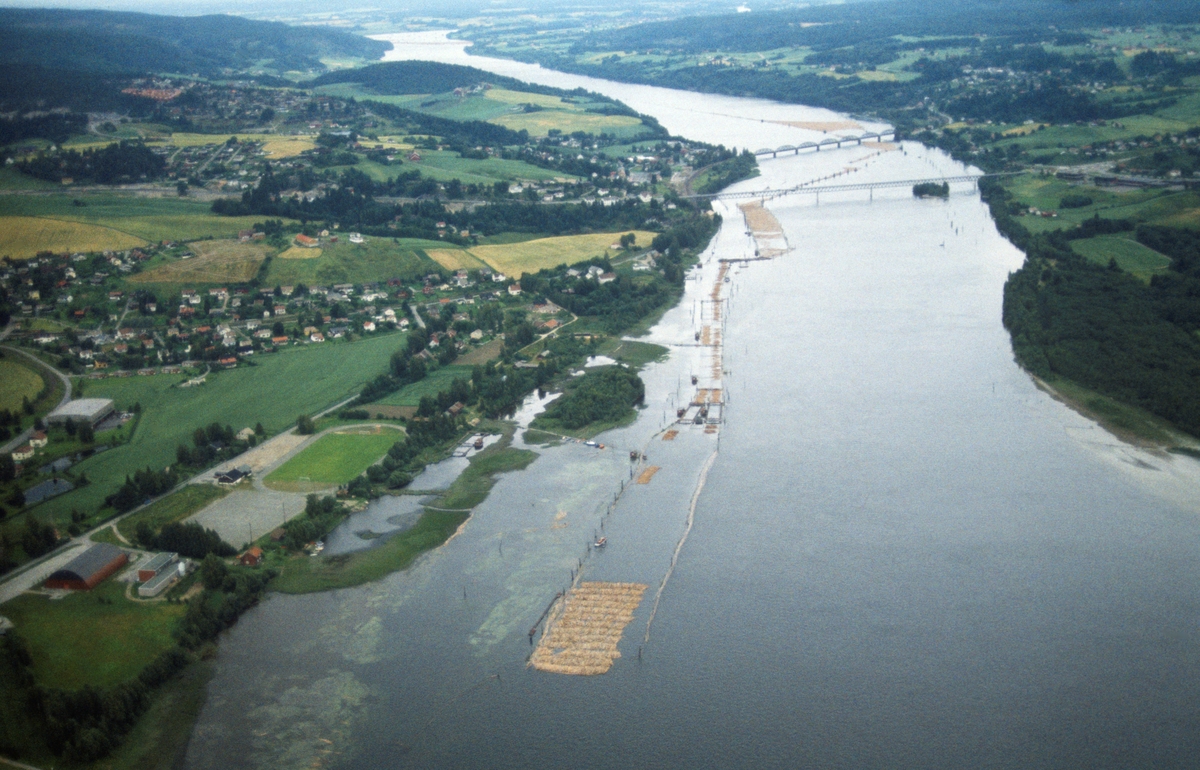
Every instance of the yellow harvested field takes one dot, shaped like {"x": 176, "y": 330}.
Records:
{"x": 455, "y": 259}
{"x": 539, "y": 123}
{"x": 24, "y": 237}
{"x": 275, "y": 145}
{"x": 215, "y": 262}
{"x": 300, "y": 252}
{"x": 582, "y": 634}
{"x": 516, "y": 259}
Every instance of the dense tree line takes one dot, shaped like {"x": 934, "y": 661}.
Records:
{"x": 604, "y": 395}
{"x": 125, "y": 161}
{"x": 140, "y": 487}
{"x": 321, "y": 515}
{"x": 190, "y": 540}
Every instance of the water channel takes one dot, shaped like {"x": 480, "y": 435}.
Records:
{"x": 904, "y": 554}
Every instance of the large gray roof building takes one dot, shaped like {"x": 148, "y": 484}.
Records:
{"x": 91, "y": 409}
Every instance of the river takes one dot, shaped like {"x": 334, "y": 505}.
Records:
{"x": 904, "y": 554}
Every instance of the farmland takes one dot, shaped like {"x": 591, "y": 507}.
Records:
{"x": 138, "y": 219}
{"x": 516, "y": 259}
{"x": 1130, "y": 256}
{"x": 95, "y": 637}
{"x": 276, "y": 146}
{"x": 434, "y": 382}
{"x": 280, "y": 388}
{"x": 22, "y": 237}
{"x": 379, "y": 259}
{"x": 225, "y": 261}
{"x": 335, "y": 458}
{"x": 443, "y": 165}
{"x": 17, "y": 382}
{"x": 455, "y": 259}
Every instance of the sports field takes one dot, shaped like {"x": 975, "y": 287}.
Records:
{"x": 335, "y": 458}
{"x": 516, "y": 259}
{"x": 17, "y": 382}
{"x": 226, "y": 261}
{"x": 23, "y": 237}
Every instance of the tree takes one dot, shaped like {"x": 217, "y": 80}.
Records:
{"x": 628, "y": 240}
{"x": 304, "y": 425}
{"x": 259, "y": 429}
{"x": 87, "y": 434}
{"x": 213, "y": 571}
{"x": 181, "y": 187}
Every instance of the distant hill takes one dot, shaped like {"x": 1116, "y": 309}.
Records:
{"x": 105, "y": 41}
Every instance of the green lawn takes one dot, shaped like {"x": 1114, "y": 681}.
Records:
{"x": 174, "y": 507}
{"x": 282, "y": 386}
{"x": 1131, "y": 256}
{"x": 17, "y": 382}
{"x": 335, "y": 458}
{"x": 434, "y": 383}
{"x": 95, "y": 637}
{"x": 379, "y": 259}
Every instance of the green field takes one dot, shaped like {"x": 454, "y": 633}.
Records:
{"x": 379, "y": 259}
{"x": 444, "y": 165}
{"x": 17, "y": 382}
{"x": 282, "y": 386}
{"x": 335, "y": 458}
{"x": 1131, "y": 256}
{"x": 95, "y": 637}
{"x": 434, "y": 383}
{"x": 1181, "y": 209}
{"x": 150, "y": 219}
{"x": 174, "y": 507}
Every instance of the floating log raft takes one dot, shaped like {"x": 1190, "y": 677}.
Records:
{"x": 581, "y": 639}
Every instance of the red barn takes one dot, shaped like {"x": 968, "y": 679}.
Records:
{"x": 89, "y": 568}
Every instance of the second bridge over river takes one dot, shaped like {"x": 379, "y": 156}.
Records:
{"x": 811, "y": 189}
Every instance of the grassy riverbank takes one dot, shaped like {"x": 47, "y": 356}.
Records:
{"x": 442, "y": 518}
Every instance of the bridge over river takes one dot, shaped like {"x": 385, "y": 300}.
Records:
{"x": 831, "y": 143}
{"x": 811, "y": 189}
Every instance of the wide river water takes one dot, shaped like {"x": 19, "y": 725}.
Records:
{"x": 903, "y": 553}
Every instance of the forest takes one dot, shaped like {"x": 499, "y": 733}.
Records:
{"x": 1099, "y": 326}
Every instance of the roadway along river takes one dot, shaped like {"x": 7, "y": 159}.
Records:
{"x": 904, "y": 554}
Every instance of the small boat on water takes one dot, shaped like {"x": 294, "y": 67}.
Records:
{"x": 478, "y": 442}
{"x": 695, "y": 379}
{"x": 590, "y": 443}
{"x": 601, "y": 542}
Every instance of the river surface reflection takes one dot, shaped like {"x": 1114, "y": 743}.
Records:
{"x": 904, "y": 555}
